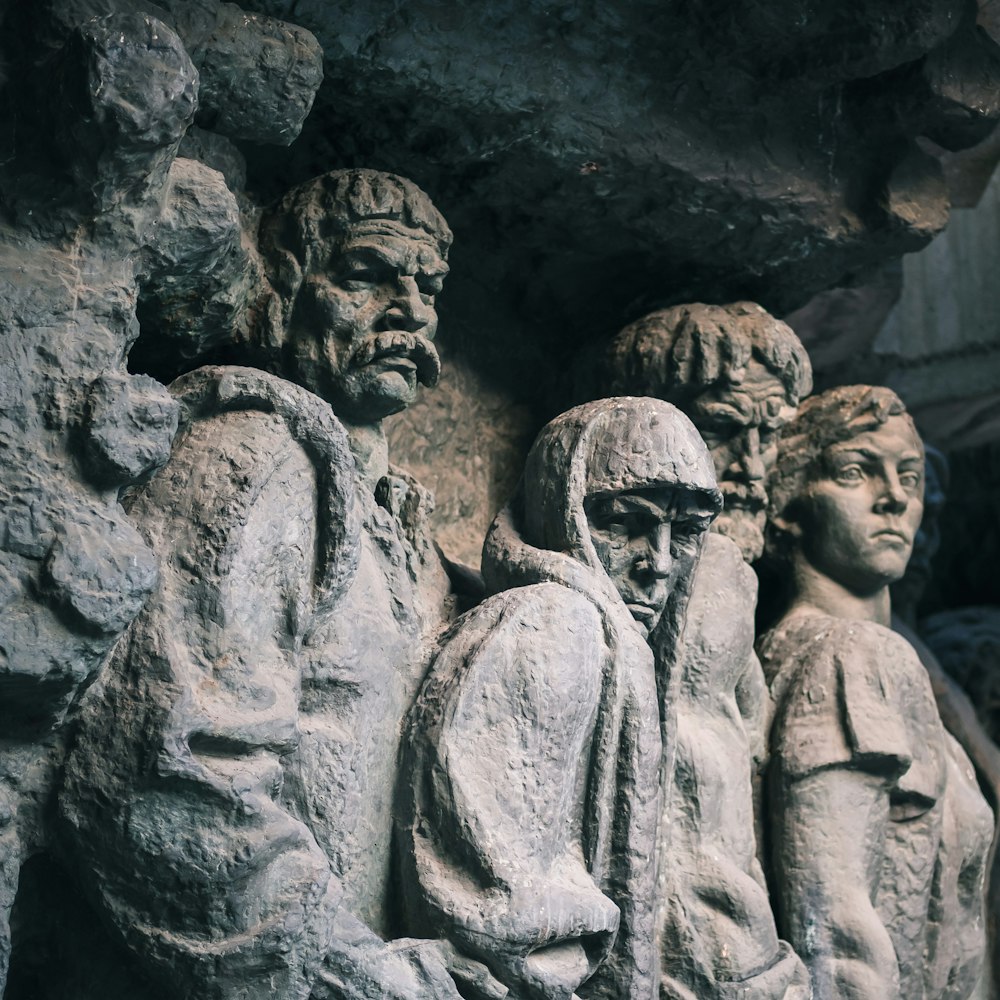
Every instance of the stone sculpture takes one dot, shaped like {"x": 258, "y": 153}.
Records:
{"x": 96, "y": 196}
{"x": 535, "y": 752}
{"x": 879, "y": 830}
{"x": 228, "y": 799}
{"x": 738, "y": 373}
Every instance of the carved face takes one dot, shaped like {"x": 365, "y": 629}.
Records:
{"x": 859, "y": 516}
{"x": 362, "y": 329}
{"x": 644, "y": 539}
{"x": 739, "y": 423}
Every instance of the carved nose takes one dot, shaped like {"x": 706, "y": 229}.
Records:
{"x": 893, "y": 501}
{"x": 751, "y": 464}
{"x": 657, "y": 561}
{"x": 408, "y": 311}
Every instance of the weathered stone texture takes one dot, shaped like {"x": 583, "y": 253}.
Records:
{"x": 266, "y": 610}
{"x": 611, "y": 145}
{"x": 465, "y": 442}
{"x": 599, "y": 160}
{"x": 880, "y": 835}
{"x": 95, "y": 209}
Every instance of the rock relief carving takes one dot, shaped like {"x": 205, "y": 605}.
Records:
{"x": 535, "y": 755}
{"x": 879, "y": 831}
{"x": 95, "y": 185}
{"x": 229, "y": 796}
{"x": 738, "y": 373}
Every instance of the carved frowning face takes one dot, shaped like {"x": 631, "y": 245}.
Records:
{"x": 644, "y": 539}
{"x": 860, "y": 512}
{"x": 363, "y": 325}
{"x": 740, "y": 423}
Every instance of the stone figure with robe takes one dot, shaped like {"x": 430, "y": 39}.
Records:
{"x": 538, "y": 747}
{"x": 879, "y": 831}
{"x": 738, "y": 373}
{"x": 228, "y": 801}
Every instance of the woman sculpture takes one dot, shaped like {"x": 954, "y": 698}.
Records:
{"x": 536, "y": 751}
{"x": 879, "y": 832}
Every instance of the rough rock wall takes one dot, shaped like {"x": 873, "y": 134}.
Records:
{"x": 597, "y": 161}
{"x": 101, "y": 217}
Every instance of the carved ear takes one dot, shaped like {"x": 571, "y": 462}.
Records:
{"x": 786, "y": 524}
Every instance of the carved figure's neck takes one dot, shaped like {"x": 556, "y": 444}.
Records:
{"x": 814, "y": 590}
{"x": 371, "y": 452}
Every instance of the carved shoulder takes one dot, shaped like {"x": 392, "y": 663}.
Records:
{"x": 841, "y": 690}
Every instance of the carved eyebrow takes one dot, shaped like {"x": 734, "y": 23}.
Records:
{"x": 738, "y": 405}
{"x": 625, "y": 504}
{"x": 866, "y": 453}
{"x": 375, "y": 253}
{"x": 699, "y": 521}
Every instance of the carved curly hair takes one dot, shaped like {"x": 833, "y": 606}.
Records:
{"x": 825, "y": 419}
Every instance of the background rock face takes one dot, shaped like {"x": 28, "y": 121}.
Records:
{"x": 599, "y": 160}
{"x": 98, "y": 214}
{"x": 596, "y": 161}
{"x": 682, "y": 152}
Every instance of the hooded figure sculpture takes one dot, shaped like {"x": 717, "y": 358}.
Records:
{"x": 528, "y": 829}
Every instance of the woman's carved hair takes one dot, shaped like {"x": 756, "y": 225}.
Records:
{"x": 823, "y": 420}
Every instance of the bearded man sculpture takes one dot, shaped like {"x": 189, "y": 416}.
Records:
{"x": 229, "y": 797}
{"x": 880, "y": 833}
{"x": 738, "y": 373}
{"x": 535, "y": 754}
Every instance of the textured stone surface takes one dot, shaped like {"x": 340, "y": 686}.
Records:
{"x": 625, "y": 129}
{"x": 599, "y": 160}
{"x": 880, "y": 834}
{"x": 263, "y": 590}
{"x": 203, "y": 274}
{"x": 257, "y": 75}
{"x": 528, "y": 828}
{"x": 466, "y": 442}
{"x": 738, "y": 374}
{"x": 103, "y": 95}
{"x": 275, "y": 662}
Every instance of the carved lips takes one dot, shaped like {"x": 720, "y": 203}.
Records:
{"x": 401, "y": 350}
{"x": 892, "y": 535}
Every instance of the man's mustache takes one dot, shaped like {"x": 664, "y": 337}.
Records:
{"x": 743, "y": 496}
{"x": 401, "y": 343}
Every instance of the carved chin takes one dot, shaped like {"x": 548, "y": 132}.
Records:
{"x": 743, "y": 528}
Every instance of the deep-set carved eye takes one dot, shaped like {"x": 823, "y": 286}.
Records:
{"x": 850, "y": 474}
{"x": 360, "y": 277}
{"x": 431, "y": 284}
